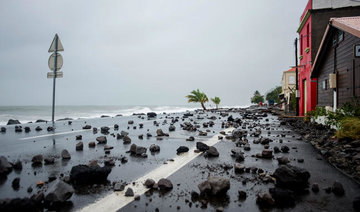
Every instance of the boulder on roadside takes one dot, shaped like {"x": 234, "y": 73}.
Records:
{"x": 265, "y": 199}
{"x": 211, "y": 152}
{"x": 204, "y": 187}
{"x": 87, "y": 127}
{"x": 191, "y": 138}
{"x": 126, "y": 139}
{"x": 218, "y": 185}
{"x": 165, "y": 184}
{"x": 58, "y": 192}
{"x": 65, "y": 154}
{"x": 283, "y": 160}
{"x": 338, "y": 189}
{"x": 285, "y": 149}
{"x": 237, "y": 133}
{"x": 17, "y": 165}
{"x": 101, "y": 139}
{"x": 50, "y": 129}
{"x": 201, "y": 146}
{"x": 201, "y": 133}
{"x": 93, "y": 163}
{"x": 37, "y": 160}
{"x": 104, "y": 130}
{"x": 154, "y": 148}
{"x": 172, "y": 128}
{"x": 291, "y": 177}
{"x": 182, "y": 149}
{"x": 160, "y": 133}
{"x": 137, "y": 150}
{"x": 119, "y": 187}
{"x": 49, "y": 160}
{"x": 85, "y": 175}
{"x": 239, "y": 168}
{"x": 108, "y": 147}
{"x": 92, "y": 144}
{"x": 15, "y": 184}
{"x": 129, "y": 192}
{"x": 267, "y": 153}
{"x": 79, "y": 146}
{"x": 149, "y": 183}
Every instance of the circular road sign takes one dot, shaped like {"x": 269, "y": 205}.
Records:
{"x": 59, "y": 61}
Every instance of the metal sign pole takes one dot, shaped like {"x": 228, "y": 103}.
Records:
{"x": 54, "y": 80}
{"x": 55, "y": 63}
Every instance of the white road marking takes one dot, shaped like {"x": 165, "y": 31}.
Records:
{"x": 50, "y": 135}
{"x": 117, "y": 200}
{"x": 63, "y": 133}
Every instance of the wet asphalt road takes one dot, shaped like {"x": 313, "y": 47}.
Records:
{"x": 24, "y": 146}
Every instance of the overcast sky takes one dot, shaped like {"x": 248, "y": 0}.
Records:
{"x": 145, "y": 52}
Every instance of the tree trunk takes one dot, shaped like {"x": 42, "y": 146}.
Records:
{"x": 202, "y": 105}
{"x": 217, "y": 106}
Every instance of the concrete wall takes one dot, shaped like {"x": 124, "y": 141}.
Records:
{"x": 322, "y": 4}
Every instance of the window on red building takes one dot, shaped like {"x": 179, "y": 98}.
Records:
{"x": 307, "y": 35}
{"x": 301, "y": 44}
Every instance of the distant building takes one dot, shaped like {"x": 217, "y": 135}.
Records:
{"x": 337, "y": 63}
{"x": 313, "y": 23}
{"x": 288, "y": 86}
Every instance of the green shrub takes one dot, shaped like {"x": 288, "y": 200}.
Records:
{"x": 349, "y": 128}
{"x": 319, "y": 111}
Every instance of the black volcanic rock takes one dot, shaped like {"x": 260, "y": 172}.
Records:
{"x": 85, "y": 175}
{"x": 13, "y": 121}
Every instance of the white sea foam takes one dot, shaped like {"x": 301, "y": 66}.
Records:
{"x": 27, "y": 114}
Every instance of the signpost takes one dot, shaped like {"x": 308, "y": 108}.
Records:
{"x": 55, "y": 63}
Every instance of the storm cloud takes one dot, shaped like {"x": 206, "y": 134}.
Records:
{"x": 145, "y": 52}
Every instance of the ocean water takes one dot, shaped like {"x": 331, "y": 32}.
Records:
{"x": 32, "y": 113}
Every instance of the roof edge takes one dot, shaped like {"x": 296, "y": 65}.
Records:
{"x": 303, "y": 21}
{"x": 320, "y": 49}
{"x": 344, "y": 27}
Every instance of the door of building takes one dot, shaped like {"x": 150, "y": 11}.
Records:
{"x": 305, "y": 97}
{"x": 356, "y": 77}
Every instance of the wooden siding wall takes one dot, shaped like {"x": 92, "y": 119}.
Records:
{"x": 356, "y": 76}
{"x": 320, "y": 20}
{"x": 348, "y": 72}
{"x": 324, "y": 97}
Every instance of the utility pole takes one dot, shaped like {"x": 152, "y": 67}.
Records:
{"x": 297, "y": 94}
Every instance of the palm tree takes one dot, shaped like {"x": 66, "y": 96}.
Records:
{"x": 198, "y": 96}
{"x": 216, "y": 101}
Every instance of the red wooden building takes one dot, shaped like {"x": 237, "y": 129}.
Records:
{"x": 313, "y": 23}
